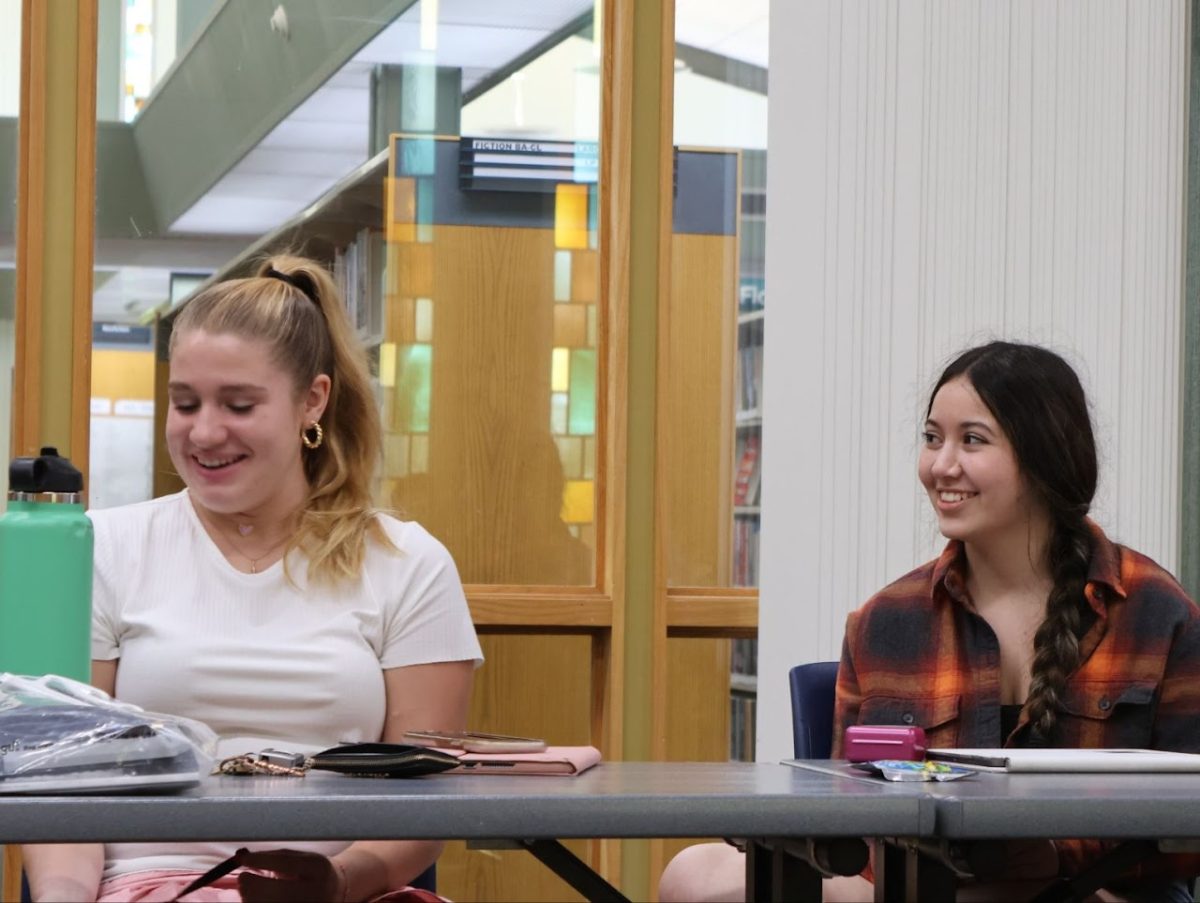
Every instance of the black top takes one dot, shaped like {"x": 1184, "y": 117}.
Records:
{"x": 1009, "y": 716}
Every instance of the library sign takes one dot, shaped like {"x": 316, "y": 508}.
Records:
{"x": 506, "y": 164}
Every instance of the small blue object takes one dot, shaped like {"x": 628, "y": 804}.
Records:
{"x": 906, "y": 770}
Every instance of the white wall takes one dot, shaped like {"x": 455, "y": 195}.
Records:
{"x": 941, "y": 173}
{"x": 10, "y": 57}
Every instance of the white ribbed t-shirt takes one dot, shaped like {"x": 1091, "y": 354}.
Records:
{"x": 262, "y": 661}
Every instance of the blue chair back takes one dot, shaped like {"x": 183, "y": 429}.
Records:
{"x": 813, "y": 687}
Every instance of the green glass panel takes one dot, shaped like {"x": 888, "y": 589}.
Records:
{"x": 416, "y": 157}
{"x": 582, "y": 419}
{"x": 413, "y": 383}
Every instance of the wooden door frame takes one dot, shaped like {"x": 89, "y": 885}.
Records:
{"x": 55, "y": 236}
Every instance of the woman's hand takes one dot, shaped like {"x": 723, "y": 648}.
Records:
{"x": 297, "y": 876}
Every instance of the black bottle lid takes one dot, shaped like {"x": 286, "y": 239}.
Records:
{"x": 47, "y": 473}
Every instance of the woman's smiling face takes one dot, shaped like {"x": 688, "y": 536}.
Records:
{"x": 233, "y": 425}
{"x": 969, "y": 469}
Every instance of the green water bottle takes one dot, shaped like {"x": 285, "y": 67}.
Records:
{"x": 45, "y": 570}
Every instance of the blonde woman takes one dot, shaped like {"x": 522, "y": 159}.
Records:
{"x": 269, "y": 599}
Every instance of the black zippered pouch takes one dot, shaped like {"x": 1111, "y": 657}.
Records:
{"x": 383, "y": 760}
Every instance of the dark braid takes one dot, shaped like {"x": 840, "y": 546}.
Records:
{"x": 1056, "y": 643}
{"x": 1040, "y": 405}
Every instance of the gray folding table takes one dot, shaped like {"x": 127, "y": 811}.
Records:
{"x": 1141, "y": 809}
{"x": 780, "y": 810}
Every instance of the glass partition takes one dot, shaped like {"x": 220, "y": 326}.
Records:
{"x": 719, "y": 293}
{"x": 717, "y": 316}
{"x": 10, "y": 103}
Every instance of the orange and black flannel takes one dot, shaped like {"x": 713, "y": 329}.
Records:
{"x": 916, "y": 653}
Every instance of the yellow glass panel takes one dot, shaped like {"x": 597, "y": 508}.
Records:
{"x": 570, "y": 216}
{"x": 560, "y": 371}
{"x": 424, "y": 320}
{"x": 387, "y": 364}
{"x": 579, "y": 502}
{"x": 591, "y": 325}
{"x": 570, "y": 326}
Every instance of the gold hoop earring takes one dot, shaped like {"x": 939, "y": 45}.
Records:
{"x": 314, "y": 442}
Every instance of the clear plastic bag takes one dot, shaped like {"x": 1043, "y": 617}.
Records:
{"x": 58, "y": 735}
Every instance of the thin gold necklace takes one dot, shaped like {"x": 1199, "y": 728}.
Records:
{"x": 254, "y": 561}
{"x": 224, "y": 534}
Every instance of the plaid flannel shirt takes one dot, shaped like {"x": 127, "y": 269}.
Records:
{"x": 917, "y": 654}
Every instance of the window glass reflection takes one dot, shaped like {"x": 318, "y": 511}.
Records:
{"x": 478, "y": 303}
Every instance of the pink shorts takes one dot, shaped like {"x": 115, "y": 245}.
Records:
{"x": 163, "y": 885}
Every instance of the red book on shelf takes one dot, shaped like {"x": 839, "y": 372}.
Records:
{"x": 745, "y": 485}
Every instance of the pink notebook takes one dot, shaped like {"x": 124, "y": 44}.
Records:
{"x": 569, "y": 760}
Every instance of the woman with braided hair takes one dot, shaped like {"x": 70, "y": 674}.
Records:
{"x": 1032, "y": 628}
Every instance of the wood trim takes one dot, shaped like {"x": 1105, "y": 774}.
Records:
{"x": 27, "y": 346}
{"x": 10, "y": 889}
{"x": 554, "y": 614}
{"x": 615, "y": 31}
{"x": 712, "y": 592}
{"x": 30, "y": 237}
{"x": 711, "y": 615}
{"x": 87, "y": 37}
{"x": 615, "y": 193}
{"x": 55, "y": 229}
{"x": 659, "y": 658}
{"x": 666, "y": 199}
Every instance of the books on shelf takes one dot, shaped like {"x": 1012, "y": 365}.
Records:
{"x": 746, "y": 482}
{"x": 750, "y": 371}
{"x": 741, "y": 727}
{"x": 745, "y": 551}
{"x": 744, "y": 657}
{"x": 358, "y": 273}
